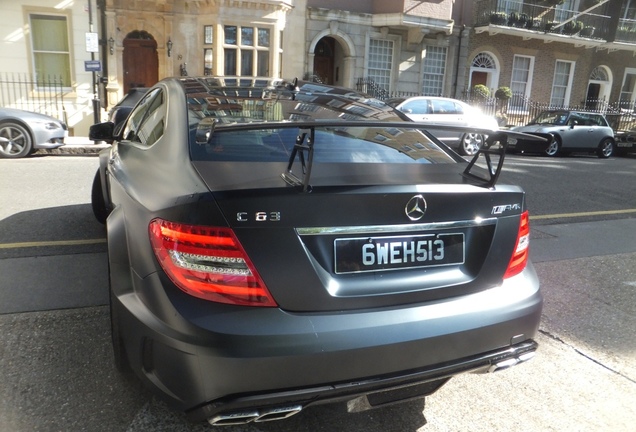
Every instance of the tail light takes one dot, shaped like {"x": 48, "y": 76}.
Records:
{"x": 520, "y": 255}
{"x": 209, "y": 263}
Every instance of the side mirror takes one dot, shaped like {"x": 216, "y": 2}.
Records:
{"x": 102, "y": 132}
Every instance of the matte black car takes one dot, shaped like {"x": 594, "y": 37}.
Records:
{"x": 567, "y": 132}
{"x": 276, "y": 244}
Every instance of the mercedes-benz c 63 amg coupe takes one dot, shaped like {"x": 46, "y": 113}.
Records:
{"x": 276, "y": 244}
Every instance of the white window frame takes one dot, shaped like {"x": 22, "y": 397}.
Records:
{"x": 568, "y": 86}
{"x": 395, "y": 41}
{"x": 528, "y": 82}
{"x": 628, "y": 95}
{"x": 67, "y": 53}
{"x": 426, "y": 73}
{"x": 255, "y": 48}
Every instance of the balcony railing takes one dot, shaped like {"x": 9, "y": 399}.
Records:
{"x": 537, "y": 17}
{"x": 626, "y": 31}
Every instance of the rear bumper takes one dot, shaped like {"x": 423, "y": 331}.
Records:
{"x": 236, "y": 360}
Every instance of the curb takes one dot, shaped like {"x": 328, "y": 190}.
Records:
{"x": 75, "y": 146}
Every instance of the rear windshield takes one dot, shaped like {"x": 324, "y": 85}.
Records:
{"x": 331, "y": 145}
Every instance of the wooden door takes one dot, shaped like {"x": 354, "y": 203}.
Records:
{"x": 141, "y": 63}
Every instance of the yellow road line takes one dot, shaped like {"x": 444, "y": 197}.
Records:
{"x": 583, "y": 214}
{"x": 51, "y": 243}
{"x": 103, "y": 240}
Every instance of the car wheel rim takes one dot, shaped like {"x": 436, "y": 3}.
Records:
{"x": 607, "y": 149}
{"x": 552, "y": 148}
{"x": 12, "y": 141}
{"x": 471, "y": 143}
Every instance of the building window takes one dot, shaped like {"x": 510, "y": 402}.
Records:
{"x": 509, "y": 6}
{"x": 434, "y": 68}
{"x": 380, "y": 63}
{"x": 566, "y": 10}
{"x": 208, "y": 61}
{"x": 208, "y": 34}
{"x": 50, "y": 47}
{"x": 247, "y": 51}
{"x": 562, "y": 83}
{"x": 627, "y": 96}
{"x": 208, "y": 52}
{"x": 521, "y": 79}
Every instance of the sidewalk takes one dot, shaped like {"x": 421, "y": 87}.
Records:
{"x": 74, "y": 145}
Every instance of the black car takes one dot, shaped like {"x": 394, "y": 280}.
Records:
{"x": 119, "y": 112}
{"x": 625, "y": 141}
{"x": 276, "y": 244}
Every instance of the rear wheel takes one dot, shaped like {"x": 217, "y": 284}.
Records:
{"x": 554, "y": 147}
{"x": 470, "y": 143}
{"x": 15, "y": 141}
{"x": 605, "y": 148}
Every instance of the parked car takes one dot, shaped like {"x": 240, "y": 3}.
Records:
{"x": 567, "y": 131}
{"x": 277, "y": 244}
{"x": 450, "y": 112}
{"x": 625, "y": 141}
{"x": 23, "y": 132}
{"x": 119, "y": 112}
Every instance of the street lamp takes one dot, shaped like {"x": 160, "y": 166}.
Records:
{"x": 169, "y": 45}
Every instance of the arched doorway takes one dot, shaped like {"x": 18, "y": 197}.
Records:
{"x": 484, "y": 70}
{"x": 324, "y": 58}
{"x": 598, "y": 88}
{"x": 140, "y": 60}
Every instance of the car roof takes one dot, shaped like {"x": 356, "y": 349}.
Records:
{"x": 228, "y": 101}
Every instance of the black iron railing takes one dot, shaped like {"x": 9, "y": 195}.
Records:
{"x": 519, "y": 109}
{"x": 43, "y": 95}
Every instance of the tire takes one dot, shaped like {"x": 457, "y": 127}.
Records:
{"x": 97, "y": 200}
{"x": 15, "y": 141}
{"x": 606, "y": 148}
{"x": 470, "y": 143}
{"x": 554, "y": 147}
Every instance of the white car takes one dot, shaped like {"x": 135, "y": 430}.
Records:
{"x": 448, "y": 112}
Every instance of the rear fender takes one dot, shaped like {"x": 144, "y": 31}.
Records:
{"x": 118, "y": 254}
{"x": 104, "y": 159}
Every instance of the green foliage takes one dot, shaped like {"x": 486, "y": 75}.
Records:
{"x": 503, "y": 93}
{"x": 481, "y": 91}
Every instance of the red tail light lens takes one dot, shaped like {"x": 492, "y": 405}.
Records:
{"x": 520, "y": 255}
{"x": 209, "y": 263}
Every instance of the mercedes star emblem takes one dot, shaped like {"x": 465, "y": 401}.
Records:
{"x": 415, "y": 208}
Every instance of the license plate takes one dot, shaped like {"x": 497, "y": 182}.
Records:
{"x": 362, "y": 254}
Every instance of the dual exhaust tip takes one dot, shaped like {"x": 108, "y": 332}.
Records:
{"x": 239, "y": 418}
{"x": 280, "y": 413}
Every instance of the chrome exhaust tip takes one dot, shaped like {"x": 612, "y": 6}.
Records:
{"x": 244, "y": 417}
{"x": 510, "y": 362}
{"x": 232, "y": 419}
{"x": 278, "y": 413}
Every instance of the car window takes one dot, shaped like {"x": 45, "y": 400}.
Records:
{"x": 331, "y": 145}
{"x": 416, "y": 107}
{"x": 146, "y": 122}
{"x": 440, "y": 106}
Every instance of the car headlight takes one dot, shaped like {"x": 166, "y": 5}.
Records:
{"x": 52, "y": 126}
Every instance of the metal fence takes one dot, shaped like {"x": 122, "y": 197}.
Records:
{"x": 519, "y": 109}
{"x": 43, "y": 95}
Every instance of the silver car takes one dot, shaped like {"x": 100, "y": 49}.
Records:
{"x": 567, "y": 132}
{"x": 23, "y": 132}
{"x": 448, "y": 112}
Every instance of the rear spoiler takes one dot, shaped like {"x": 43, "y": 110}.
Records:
{"x": 495, "y": 146}
{"x": 494, "y": 151}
